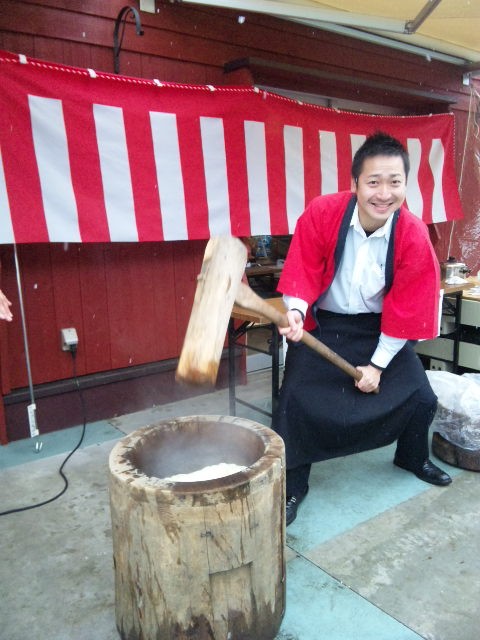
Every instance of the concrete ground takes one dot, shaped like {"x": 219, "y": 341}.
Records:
{"x": 375, "y": 554}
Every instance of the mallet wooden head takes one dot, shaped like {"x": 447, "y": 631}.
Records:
{"x": 219, "y": 286}
{"x": 218, "y": 282}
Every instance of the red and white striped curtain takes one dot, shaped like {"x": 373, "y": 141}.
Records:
{"x": 94, "y": 157}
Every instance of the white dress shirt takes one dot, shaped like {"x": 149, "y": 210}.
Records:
{"x": 359, "y": 284}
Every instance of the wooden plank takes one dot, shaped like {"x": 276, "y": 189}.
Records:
{"x": 67, "y": 306}
{"x": 141, "y": 303}
{"x": 174, "y": 70}
{"x": 164, "y": 303}
{"x": 128, "y": 307}
{"x": 130, "y": 63}
{"x": 77, "y": 54}
{"x": 50, "y": 22}
{"x": 95, "y": 318}
{"x": 19, "y": 42}
{"x": 46, "y": 48}
{"x": 187, "y": 264}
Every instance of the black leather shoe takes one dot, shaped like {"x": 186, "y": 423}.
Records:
{"x": 293, "y": 502}
{"x": 428, "y": 472}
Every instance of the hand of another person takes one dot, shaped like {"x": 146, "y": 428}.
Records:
{"x": 294, "y": 331}
{"x": 370, "y": 378}
{"x": 5, "y": 313}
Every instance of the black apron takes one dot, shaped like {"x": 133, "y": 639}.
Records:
{"x": 322, "y": 415}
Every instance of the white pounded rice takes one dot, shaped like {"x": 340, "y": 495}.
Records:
{"x": 207, "y": 473}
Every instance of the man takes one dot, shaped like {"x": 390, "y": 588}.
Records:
{"x": 362, "y": 276}
{"x": 5, "y": 304}
{"x": 5, "y": 313}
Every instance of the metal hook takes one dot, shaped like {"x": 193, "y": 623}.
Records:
{"x": 121, "y": 20}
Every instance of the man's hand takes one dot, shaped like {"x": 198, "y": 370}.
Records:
{"x": 5, "y": 313}
{"x": 294, "y": 331}
{"x": 370, "y": 378}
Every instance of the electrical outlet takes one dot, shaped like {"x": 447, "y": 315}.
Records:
{"x": 447, "y": 325}
{"x": 440, "y": 365}
{"x": 69, "y": 339}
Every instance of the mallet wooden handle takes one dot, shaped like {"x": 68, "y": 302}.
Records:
{"x": 249, "y": 300}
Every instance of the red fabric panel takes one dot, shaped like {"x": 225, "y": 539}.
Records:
{"x": 86, "y": 177}
{"x": 194, "y": 178}
{"x": 77, "y": 187}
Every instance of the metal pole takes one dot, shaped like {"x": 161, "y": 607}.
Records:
{"x": 31, "y": 407}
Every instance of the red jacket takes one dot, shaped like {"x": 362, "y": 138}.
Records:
{"x": 410, "y": 308}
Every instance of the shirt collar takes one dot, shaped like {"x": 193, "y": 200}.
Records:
{"x": 384, "y": 230}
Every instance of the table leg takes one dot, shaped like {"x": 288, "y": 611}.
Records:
{"x": 275, "y": 367}
{"x": 456, "y": 338}
{"x": 231, "y": 367}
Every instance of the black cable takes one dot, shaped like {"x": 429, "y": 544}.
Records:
{"x": 73, "y": 351}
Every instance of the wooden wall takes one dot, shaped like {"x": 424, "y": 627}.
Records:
{"x": 130, "y": 303}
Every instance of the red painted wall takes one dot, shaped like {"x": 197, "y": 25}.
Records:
{"x": 130, "y": 303}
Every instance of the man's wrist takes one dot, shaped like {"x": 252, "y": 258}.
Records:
{"x": 376, "y": 366}
{"x": 300, "y": 312}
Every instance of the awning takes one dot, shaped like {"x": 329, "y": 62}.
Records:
{"x": 443, "y": 29}
{"x": 95, "y": 157}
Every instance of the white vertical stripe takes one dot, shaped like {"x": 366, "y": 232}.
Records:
{"x": 215, "y": 162}
{"x": 356, "y": 141}
{"x": 294, "y": 174}
{"x": 437, "y": 161}
{"x": 6, "y": 228}
{"x": 256, "y": 151}
{"x": 166, "y": 149}
{"x": 414, "y": 198}
{"x": 115, "y": 169}
{"x": 328, "y": 162}
{"x": 51, "y": 152}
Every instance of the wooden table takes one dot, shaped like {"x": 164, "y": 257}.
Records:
{"x": 450, "y": 289}
{"x": 259, "y": 273}
{"x": 473, "y": 282}
{"x": 260, "y": 270}
{"x": 249, "y": 320}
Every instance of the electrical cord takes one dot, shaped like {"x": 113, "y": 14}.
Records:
{"x": 73, "y": 351}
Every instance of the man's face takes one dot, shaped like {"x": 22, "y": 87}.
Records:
{"x": 380, "y": 190}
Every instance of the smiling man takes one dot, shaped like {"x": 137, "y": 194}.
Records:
{"x": 361, "y": 275}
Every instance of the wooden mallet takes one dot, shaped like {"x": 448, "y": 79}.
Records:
{"x": 219, "y": 286}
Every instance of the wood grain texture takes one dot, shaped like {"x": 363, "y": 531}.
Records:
{"x": 222, "y": 270}
{"x": 200, "y": 560}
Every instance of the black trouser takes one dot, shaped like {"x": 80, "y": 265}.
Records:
{"x": 412, "y": 445}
